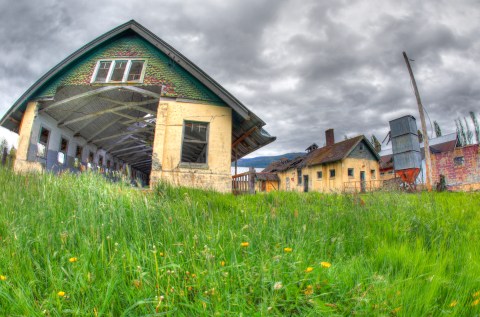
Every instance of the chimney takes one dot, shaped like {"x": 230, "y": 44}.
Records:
{"x": 330, "y": 138}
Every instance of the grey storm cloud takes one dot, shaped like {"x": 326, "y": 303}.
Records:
{"x": 302, "y": 66}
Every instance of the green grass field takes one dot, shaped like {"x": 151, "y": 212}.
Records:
{"x": 80, "y": 246}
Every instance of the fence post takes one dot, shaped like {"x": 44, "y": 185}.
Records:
{"x": 4, "y": 156}
{"x": 251, "y": 180}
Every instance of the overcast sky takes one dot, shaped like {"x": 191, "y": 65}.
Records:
{"x": 301, "y": 66}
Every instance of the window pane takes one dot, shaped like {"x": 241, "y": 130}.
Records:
{"x": 103, "y": 72}
{"x": 118, "y": 70}
{"x": 42, "y": 143}
{"x": 195, "y": 145}
{"x": 44, "y": 134}
{"x": 135, "y": 71}
{"x": 64, "y": 145}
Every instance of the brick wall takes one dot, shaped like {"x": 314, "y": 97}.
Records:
{"x": 458, "y": 175}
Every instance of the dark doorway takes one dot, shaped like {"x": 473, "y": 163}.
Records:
{"x": 305, "y": 183}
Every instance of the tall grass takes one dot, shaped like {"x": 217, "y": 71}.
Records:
{"x": 76, "y": 245}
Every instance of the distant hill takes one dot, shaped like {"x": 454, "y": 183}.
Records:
{"x": 264, "y": 161}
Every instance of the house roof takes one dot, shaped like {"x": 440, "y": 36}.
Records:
{"x": 327, "y": 154}
{"x": 262, "y": 176}
{"x": 244, "y": 120}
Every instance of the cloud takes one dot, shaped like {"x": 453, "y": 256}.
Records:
{"x": 303, "y": 67}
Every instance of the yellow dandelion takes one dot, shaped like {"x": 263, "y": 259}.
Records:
{"x": 222, "y": 263}
{"x": 244, "y": 244}
{"x": 453, "y": 304}
{"x": 3, "y": 278}
{"x": 476, "y": 302}
{"x": 162, "y": 254}
{"x": 287, "y": 250}
{"x": 326, "y": 265}
{"x": 308, "y": 290}
{"x": 476, "y": 294}
{"x": 309, "y": 269}
{"x": 73, "y": 260}
{"x": 61, "y": 294}
{"x": 194, "y": 275}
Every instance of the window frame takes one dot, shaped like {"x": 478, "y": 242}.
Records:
{"x": 44, "y": 156}
{"x": 207, "y": 137}
{"x": 458, "y": 161}
{"x": 373, "y": 174}
{"x": 299, "y": 176}
{"x": 65, "y": 153}
{"x": 330, "y": 173}
{"x": 319, "y": 175}
{"x": 126, "y": 72}
{"x": 352, "y": 174}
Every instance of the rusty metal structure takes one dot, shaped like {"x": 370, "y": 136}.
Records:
{"x": 407, "y": 159}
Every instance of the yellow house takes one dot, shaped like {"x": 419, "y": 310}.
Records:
{"x": 129, "y": 102}
{"x": 347, "y": 166}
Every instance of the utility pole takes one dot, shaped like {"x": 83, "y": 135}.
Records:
{"x": 428, "y": 162}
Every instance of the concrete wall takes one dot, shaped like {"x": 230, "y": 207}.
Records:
{"x": 458, "y": 177}
{"x": 167, "y": 146}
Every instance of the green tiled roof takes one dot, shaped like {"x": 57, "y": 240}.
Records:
{"x": 160, "y": 70}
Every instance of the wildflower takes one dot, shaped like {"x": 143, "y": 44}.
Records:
{"x": 244, "y": 244}
{"x": 309, "y": 269}
{"x": 72, "y": 260}
{"x": 222, "y": 263}
{"x": 476, "y": 302}
{"x": 453, "y": 303}
{"x": 3, "y": 278}
{"x": 61, "y": 294}
{"x": 194, "y": 275}
{"x": 277, "y": 285}
{"x": 308, "y": 290}
{"x": 162, "y": 254}
{"x": 287, "y": 250}
{"x": 476, "y": 294}
{"x": 137, "y": 283}
{"x": 325, "y": 264}
{"x": 396, "y": 310}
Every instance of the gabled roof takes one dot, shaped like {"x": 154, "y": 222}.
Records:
{"x": 327, "y": 154}
{"x": 245, "y": 120}
{"x": 337, "y": 151}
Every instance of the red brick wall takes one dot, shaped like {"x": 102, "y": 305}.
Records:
{"x": 458, "y": 177}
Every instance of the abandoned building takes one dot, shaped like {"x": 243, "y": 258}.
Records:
{"x": 129, "y": 102}
{"x": 347, "y": 166}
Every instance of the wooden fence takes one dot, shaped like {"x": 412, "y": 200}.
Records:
{"x": 244, "y": 183}
{"x": 362, "y": 186}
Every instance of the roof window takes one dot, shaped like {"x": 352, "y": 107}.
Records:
{"x": 119, "y": 71}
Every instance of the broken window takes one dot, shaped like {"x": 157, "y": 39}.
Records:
{"x": 350, "y": 172}
{"x": 459, "y": 161}
{"x": 332, "y": 173}
{"x": 373, "y": 174}
{"x": 123, "y": 70}
{"x": 299, "y": 175}
{"x": 62, "y": 154}
{"x": 195, "y": 142}
{"x": 42, "y": 144}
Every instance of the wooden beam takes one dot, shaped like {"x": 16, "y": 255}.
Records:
{"x": 134, "y": 152}
{"x": 120, "y": 143}
{"x": 79, "y": 96}
{"x": 122, "y": 133}
{"x": 129, "y": 148}
{"x": 105, "y": 127}
{"x": 244, "y": 136}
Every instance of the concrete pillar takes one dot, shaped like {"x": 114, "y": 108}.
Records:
{"x": 159, "y": 143}
{"x": 21, "y": 164}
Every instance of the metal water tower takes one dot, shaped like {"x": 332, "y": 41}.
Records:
{"x": 407, "y": 159}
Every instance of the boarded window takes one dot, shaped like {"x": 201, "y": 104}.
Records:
{"x": 42, "y": 144}
{"x": 62, "y": 154}
{"x": 332, "y": 173}
{"x": 299, "y": 175}
{"x": 319, "y": 175}
{"x": 459, "y": 161}
{"x": 350, "y": 172}
{"x": 195, "y": 142}
{"x": 135, "y": 71}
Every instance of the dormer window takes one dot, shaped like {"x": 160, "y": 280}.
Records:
{"x": 119, "y": 71}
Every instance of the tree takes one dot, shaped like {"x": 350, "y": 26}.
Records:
{"x": 438, "y": 131}
{"x": 420, "y": 136}
{"x": 459, "y": 135}
{"x": 376, "y": 144}
{"x": 462, "y": 132}
{"x": 475, "y": 126}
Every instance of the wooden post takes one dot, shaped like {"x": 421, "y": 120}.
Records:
{"x": 426, "y": 147}
{"x": 251, "y": 180}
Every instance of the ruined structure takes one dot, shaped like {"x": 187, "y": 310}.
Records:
{"x": 128, "y": 101}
